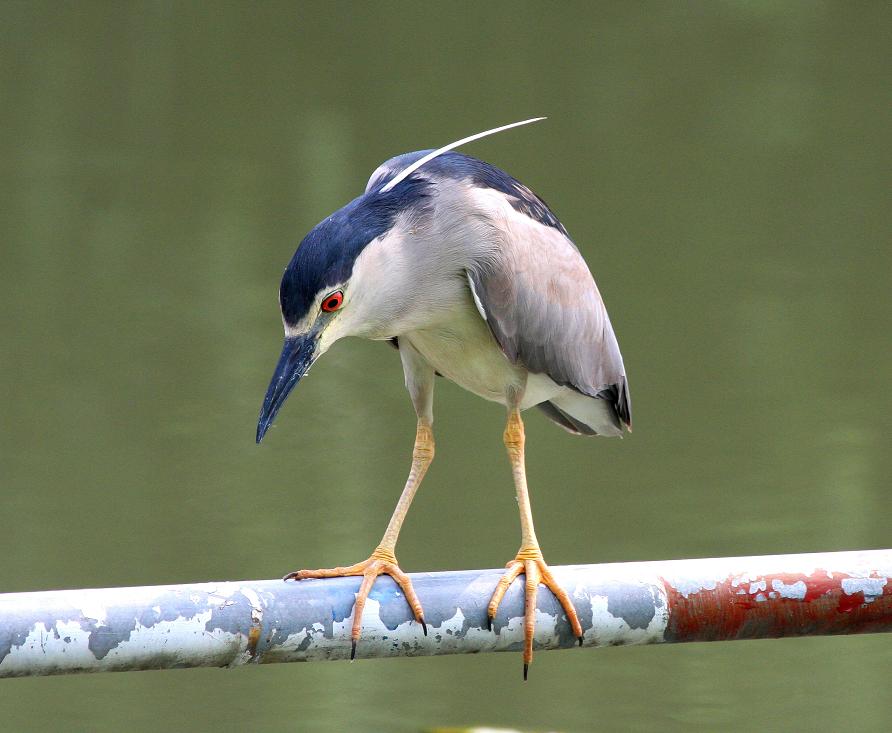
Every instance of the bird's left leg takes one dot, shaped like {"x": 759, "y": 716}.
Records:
{"x": 419, "y": 381}
{"x": 529, "y": 560}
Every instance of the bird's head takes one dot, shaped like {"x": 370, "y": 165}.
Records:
{"x": 337, "y": 286}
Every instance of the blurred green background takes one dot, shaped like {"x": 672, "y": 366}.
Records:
{"x": 724, "y": 167}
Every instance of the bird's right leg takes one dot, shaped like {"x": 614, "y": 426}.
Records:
{"x": 419, "y": 381}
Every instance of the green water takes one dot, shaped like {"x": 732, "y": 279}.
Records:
{"x": 724, "y": 167}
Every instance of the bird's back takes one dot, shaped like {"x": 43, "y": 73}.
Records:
{"x": 526, "y": 276}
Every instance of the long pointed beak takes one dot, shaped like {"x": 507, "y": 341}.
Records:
{"x": 296, "y": 358}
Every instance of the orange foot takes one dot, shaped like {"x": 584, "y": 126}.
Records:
{"x": 530, "y": 563}
{"x": 381, "y": 562}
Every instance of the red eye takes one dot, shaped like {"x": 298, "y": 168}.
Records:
{"x": 332, "y": 301}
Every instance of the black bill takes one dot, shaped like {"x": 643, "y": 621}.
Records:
{"x": 296, "y": 358}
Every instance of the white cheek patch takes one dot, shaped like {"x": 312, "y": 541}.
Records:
{"x": 292, "y": 331}
{"x": 302, "y": 326}
{"x": 306, "y": 323}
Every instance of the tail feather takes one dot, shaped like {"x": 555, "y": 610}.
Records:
{"x": 606, "y": 414}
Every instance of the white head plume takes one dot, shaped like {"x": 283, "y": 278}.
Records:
{"x": 406, "y": 172}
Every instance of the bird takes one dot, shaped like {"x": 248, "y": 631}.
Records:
{"x": 473, "y": 278}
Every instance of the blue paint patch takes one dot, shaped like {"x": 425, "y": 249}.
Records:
{"x": 121, "y": 622}
{"x": 635, "y": 604}
{"x": 326, "y": 256}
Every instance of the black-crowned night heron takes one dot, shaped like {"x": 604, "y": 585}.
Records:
{"x": 472, "y": 277}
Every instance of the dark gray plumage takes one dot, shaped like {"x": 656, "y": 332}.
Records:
{"x": 545, "y": 311}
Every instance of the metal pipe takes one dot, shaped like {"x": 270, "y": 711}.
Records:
{"x": 230, "y": 624}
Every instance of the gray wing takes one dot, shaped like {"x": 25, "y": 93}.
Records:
{"x": 544, "y": 309}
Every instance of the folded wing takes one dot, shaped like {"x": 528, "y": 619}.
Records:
{"x": 542, "y": 305}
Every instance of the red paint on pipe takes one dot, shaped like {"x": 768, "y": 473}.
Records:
{"x": 748, "y": 607}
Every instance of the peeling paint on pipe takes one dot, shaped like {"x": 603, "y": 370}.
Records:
{"x": 230, "y": 624}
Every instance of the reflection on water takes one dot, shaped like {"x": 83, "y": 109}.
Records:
{"x": 722, "y": 169}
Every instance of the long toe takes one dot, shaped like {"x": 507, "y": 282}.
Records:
{"x": 369, "y": 570}
{"x": 531, "y": 570}
{"x": 535, "y": 571}
{"x": 403, "y": 581}
{"x": 563, "y": 598}
{"x": 515, "y": 568}
{"x": 339, "y": 572}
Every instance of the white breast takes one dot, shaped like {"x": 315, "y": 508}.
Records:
{"x": 463, "y": 350}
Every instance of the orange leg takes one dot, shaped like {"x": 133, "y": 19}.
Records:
{"x": 383, "y": 559}
{"x": 529, "y": 560}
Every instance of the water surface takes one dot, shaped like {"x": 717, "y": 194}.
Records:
{"x": 724, "y": 169}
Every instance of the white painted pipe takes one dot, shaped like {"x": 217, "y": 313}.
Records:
{"x": 236, "y": 623}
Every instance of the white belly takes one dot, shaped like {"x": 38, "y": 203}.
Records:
{"x": 463, "y": 350}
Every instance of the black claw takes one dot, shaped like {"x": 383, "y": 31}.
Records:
{"x": 526, "y": 668}
{"x": 423, "y": 626}
{"x": 580, "y": 640}
{"x": 353, "y": 650}
{"x": 489, "y": 622}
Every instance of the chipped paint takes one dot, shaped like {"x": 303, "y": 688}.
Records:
{"x": 810, "y": 595}
{"x": 794, "y": 591}
{"x": 235, "y": 624}
{"x": 870, "y": 588}
{"x": 755, "y": 587}
{"x": 255, "y": 632}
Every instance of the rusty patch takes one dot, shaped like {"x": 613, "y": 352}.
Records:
{"x": 253, "y": 638}
{"x": 777, "y": 605}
